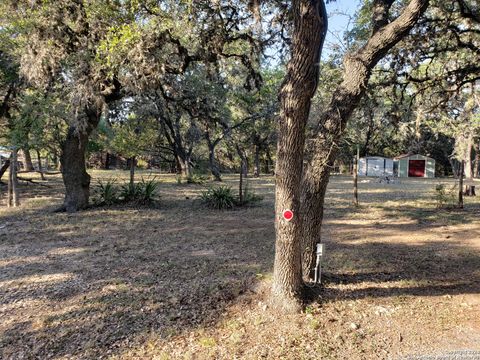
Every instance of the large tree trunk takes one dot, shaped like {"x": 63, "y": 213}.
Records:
{"x": 310, "y": 25}
{"x": 75, "y": 176}
{"x": 28, "y": 159}
{"x": 183, "y": 166}
{"x": 312, "y": 211}
{"x": 332, "y": 122}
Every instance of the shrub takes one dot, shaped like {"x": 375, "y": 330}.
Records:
{"x": 148, "y": 191}
{"x": 444, "y": 197}
{"x": 220, "y": 197}
{"x": 129, "y": 192}
{"x": 106, "y": 193}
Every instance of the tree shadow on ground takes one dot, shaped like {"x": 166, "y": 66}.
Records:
{"x": 88, "y": 284}
{"x": 384, "y": 269}
{"x": 92, "y": 284}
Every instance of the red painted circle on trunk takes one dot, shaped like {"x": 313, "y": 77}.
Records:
{"x": 288, "y": 215}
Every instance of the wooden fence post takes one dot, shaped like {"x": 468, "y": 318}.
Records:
{"x": 355, "y": 177}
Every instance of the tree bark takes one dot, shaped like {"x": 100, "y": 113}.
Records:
{"x": 299, "y": 86}
{"x": 14, "y": 170}
{"x": 256, "y": 162}
{"x": 183, "y": 166}
{"x": 10, "y": 188}
{"x": 240, "y": 183}
{"x": 40, "y": 168}
{"x": 355, "y": 177}
{"x": 243, "y": 171}
{"x": 28, "y": 159}
{"x": 332, "y": 122}
{"x": 454, "y": 166}
{"x": 132, "y": 171}
{"x": 460, "y": 185}
{"x": 107, "y": 161}
{"x": 12, "y": 198}
{"x": 468, "y": 157}
{"x": 72, "y": 159}
{"x": 56, "y": 161}
{"x": 213, "y": 162}
{"x": 268, "y": 161}
{"x": 476, "y": 169}
{"x": 243, "y": 160}
{"x": 469, "y": 190}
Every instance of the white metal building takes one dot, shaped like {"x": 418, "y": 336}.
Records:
{"x": 375, "y": 166}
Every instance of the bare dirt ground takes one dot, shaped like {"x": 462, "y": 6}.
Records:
{"x": 181, "y": 281}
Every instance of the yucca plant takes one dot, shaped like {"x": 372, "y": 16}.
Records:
{"x": 143, "y": 192}
{"x": 106, "y": 193}
{"x": 220, "y": 197}
{"x": 129, "y": 192}
{"x": 147, "y": 191}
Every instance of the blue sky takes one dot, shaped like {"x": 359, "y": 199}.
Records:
{"x": 339, "y": 13}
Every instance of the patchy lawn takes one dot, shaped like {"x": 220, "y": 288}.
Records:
{"x": 181, "y": 281}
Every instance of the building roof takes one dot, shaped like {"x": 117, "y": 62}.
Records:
{"x": 373, "y": 157}
{"x": 403, "y": 156}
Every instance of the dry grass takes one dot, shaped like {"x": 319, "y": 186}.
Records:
{"x": 181, "y": 281}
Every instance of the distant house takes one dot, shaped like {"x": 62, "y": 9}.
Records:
{"x": 414, "y": 166}
{"x": 375, "y": 166}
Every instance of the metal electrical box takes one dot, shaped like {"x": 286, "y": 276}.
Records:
{"x": 320, "y": 249}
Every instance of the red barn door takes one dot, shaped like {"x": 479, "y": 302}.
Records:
{"x": 416, "y": 168}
